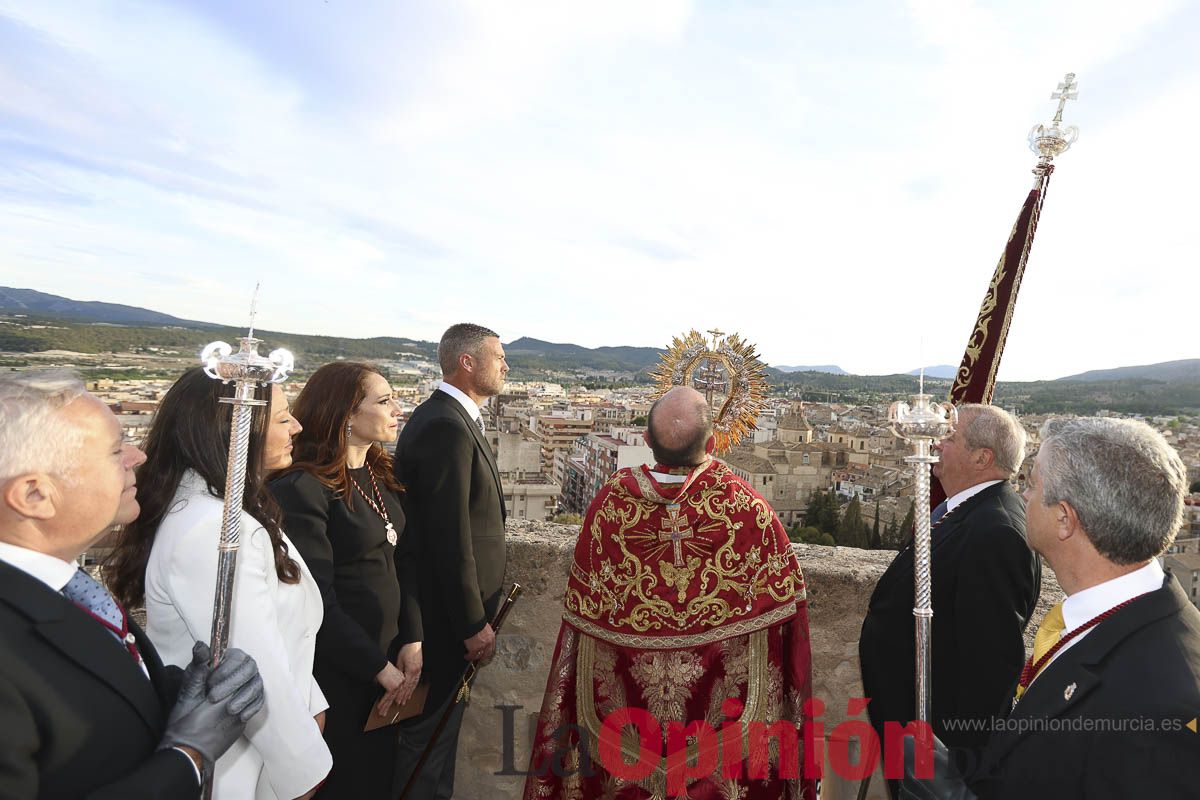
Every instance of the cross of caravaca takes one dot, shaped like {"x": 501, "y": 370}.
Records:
{"x": 675, "y": 529}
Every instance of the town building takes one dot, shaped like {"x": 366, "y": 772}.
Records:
{"x": 1186, "y": 569}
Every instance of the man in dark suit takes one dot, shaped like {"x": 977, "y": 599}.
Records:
{"x": 454, "y": 506}
{"x": 986, "y": 582}
{"x": 86, "y": 706}
{"x": 1108, "y": 702}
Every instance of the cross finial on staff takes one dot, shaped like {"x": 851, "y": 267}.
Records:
{"x": 716, "y": 333}
{"x": 254, "y": 308}
{"x": 1051, "y": 141}
{"x": 1067, "y": 90}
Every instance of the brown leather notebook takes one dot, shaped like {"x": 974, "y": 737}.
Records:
{"x": 414, "y": 706}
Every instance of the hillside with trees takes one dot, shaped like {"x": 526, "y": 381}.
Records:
{"x": 1176, "y": 392}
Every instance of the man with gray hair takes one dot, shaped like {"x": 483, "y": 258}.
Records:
{"x": 454, "y": 506}
{"x": 1107, "y": 705}
{"x": 86, "y": 707}
{"x": 986, "y": 582}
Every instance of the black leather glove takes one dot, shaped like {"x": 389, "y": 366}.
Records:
{"x": 946, "y": 783}
{"x": 214, "y": 705}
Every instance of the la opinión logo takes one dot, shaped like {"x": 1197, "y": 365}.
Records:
{"x": 696, "y": 749}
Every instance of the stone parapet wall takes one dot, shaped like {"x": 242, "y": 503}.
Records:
{"x": 839, "y": 581}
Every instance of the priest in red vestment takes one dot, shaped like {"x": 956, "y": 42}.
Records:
{"x": 682, "y": 667}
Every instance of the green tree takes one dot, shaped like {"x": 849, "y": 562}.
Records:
{"x": 910, "y": 520}
{"x": 806, "y": 535}
{"x": 812, "y": 514}
{"x": 822, "y": 512}
{"x": 827, "y": 520}
{"x": 852, "y": 531}
{"x": 876, "y": 539}
{"x": 889, "y": 535}
{"x": 898, "y": 535}
{"x": 568, "y": 519}
{"x": 810, "y": 535}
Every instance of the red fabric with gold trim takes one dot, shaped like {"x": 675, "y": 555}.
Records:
{"x": 975, "y": 381}
{"x": 677, "y": 634}
{"x": 650, "y": 576}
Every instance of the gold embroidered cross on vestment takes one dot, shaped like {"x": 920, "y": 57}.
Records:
{"x": 675, "y": 529}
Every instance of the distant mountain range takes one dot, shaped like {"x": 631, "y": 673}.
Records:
{"x": 642, "y": 358}
{"x": 1185, "y": 371}
{"x": 830, "y": 369}
{"x": 95, "y": 327}
{"x": 40, "y": 304}
{"x": 939, "y": 371}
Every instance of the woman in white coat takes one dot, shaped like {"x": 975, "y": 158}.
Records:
{"x": 168, "y": 557}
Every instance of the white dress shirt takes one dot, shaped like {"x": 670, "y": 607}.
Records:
{"x": 466, "y": 402}
{"x": 52, "y": 571}
{"x": 1094, "y": 601}
{"x": 967, "y": 494}
{"x": 281, "y": 754}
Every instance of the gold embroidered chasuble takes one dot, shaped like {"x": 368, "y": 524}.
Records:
{"x": 680, "y": 597}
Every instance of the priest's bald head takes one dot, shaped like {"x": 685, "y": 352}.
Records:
{"x": 680, "y": 428}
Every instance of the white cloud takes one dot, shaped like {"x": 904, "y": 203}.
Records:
{"x": 836, "y": 186}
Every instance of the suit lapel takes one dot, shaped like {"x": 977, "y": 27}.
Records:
{"x": 480, "y": 442}
{"x": 1061, "y": 686}
{"x": 953, "y": 520}
{"x": 902, "y": 565}
{"x": 949, "y": 524}
{"x": 1076, "y": 672}
{"x": 83, "y": 640}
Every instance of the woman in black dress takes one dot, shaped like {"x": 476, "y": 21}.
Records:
{"x": 342, "y": 510}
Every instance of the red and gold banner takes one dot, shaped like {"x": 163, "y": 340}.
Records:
{"x": 975, "y": 381}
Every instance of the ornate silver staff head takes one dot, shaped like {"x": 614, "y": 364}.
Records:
{"x": 922, "y": 423}
{"x": 247, "y": 368}
{"x": 1050, "y": 141}
{"x": 246, "y": 365}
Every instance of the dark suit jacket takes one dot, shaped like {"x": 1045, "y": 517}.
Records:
{"x": 454, "y": 506}
{"x": 77, "y": 716}
{"x": 986, "y": 582}
{"x": 1136, "y": 674}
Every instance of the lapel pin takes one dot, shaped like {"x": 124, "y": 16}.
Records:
{"x": 1070, "y": 690}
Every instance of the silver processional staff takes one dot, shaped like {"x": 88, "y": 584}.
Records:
{"x": 922, "y": 424}
{"x": 247, "y": 370}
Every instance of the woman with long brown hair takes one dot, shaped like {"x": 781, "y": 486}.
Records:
{"x": 168, "y": 558}
{"x": 341, "y": 507}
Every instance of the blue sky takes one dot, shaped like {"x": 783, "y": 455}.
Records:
{"x": 834, "y": 181}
